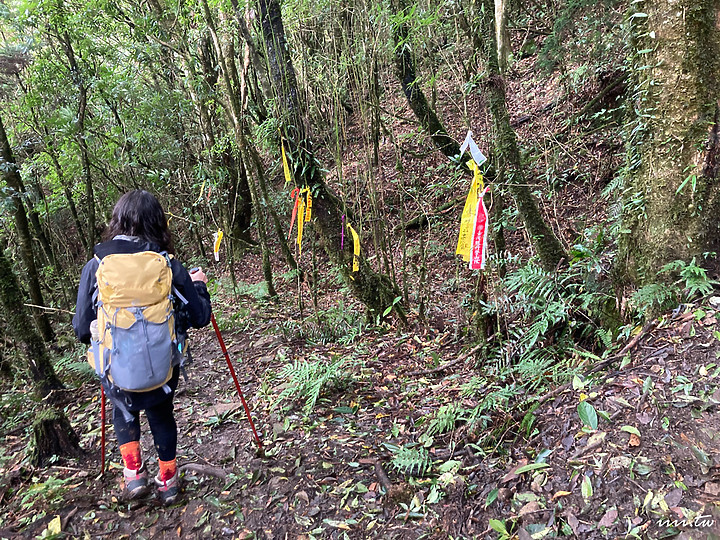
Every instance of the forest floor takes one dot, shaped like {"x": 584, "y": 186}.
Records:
{"x": 653, "y": 455}
{"x": 388, "y": 451}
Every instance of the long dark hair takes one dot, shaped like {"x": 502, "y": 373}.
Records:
{"x": 138, "y": 213}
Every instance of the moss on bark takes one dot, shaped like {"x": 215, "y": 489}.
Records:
{"x": 405, "y": 66}
{"x": 671, "y": 200}
{"x": 53, "y": 436}
{"x": 509, "y": 165}
{"x": 23, "y": 331}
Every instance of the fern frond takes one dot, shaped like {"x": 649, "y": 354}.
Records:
{"x": 411, "y": 461}
{"x": 445, "y": 419}
{"x": 307, "y": 380}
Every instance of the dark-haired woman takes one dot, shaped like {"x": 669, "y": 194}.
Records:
{"x": 138, "y": 224}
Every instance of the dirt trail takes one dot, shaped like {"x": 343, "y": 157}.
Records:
{"x": 652, "y": 456}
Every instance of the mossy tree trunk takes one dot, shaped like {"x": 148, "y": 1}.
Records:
{"x": 406, "y": 72}
{"x": 14, "y": 182}
{"x": 671, "y": 203}
{"x": 23, "y": 331}
{"x": 53, "y": 436}
{"x": 509, "y": 164}
{"x": 376, "y": 291}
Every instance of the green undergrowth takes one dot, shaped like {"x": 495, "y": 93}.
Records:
{"x": 307, "y": 380}
{"x": 337, "y": 324}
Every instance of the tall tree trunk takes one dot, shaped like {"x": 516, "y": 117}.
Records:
{"x": 230, "y": 78}
{"x": 78, "y": 79}
{"x": 37, "y": 225}
{"x": 375, "y": 290}
{"x": 509, "y": 166}
{"x": 68, "y": 197}
{"x": 502, "y": 35}
{"x": 23, "y": 332}
{"x": 238, "y": 189}
{"x": 14, "y": 182}
{"x": 673, "y": 151}
{"x": 405, "y": 65}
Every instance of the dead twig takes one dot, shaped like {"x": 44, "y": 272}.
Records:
{"x": 451, "y": 363}
{"x": 64, "y": 521}
{"x": 45, "y": 308}
{"x": 585, "y": 449}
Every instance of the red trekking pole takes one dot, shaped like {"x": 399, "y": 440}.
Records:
{"x": 237, "y": 384}
{"x": 102, "y": 429}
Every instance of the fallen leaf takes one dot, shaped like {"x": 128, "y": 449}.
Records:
{"x": 561, "y": 494}
{"x": 337, "y": 524}
{"x": 54, "y": 527}
{"x": 674, "y": 497}
{"x": 573, "y": 522}
{"x": 529, "y": 508}
{"x": 630, "y": 429}
{"x": 531, "y": 467}
{"x": 609, "y": 518}
{"x": 586, "y": 488}
{"x": 512, "y": 474}
{"x": 634, "y": 440}
{"x": 524, "y": 535}
{"x": 712, "y": 489}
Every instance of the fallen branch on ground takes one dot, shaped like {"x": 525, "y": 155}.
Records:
{"x": 204, "y": 469}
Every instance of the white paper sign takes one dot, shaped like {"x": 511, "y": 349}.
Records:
{"x": 477, "y": 155}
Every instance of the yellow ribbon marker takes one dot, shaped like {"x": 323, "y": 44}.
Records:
{"x": 300, "y": 223}
{"x": 356, "y": 248}
{"x": 467, "y": 221}
{"x": 286, "y": 167}
{"x": 308, "y": 205}
{"x": 216, "y": 249}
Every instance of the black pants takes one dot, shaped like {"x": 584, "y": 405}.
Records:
{"x": 162, "y": 425}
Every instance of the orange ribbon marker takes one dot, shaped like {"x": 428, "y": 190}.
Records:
{"x": 294, "y": 194}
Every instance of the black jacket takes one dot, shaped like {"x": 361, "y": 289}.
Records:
{"x": 195, "y": 313}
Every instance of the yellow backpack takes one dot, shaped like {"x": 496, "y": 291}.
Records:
{"x": 135, "y": 346}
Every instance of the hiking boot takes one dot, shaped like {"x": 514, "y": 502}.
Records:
{"x": 135, "y": 482}
{"x": 168, "y": 490}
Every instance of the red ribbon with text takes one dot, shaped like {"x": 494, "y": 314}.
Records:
{"x": 478, "y": 249}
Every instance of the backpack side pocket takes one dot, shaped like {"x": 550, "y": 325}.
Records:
{"x": 142, "y": 356}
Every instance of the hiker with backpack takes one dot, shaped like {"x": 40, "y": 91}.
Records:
{"x": 135, "y": 304}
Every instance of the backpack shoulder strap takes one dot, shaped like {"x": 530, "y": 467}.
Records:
{"x": 179, "y": 296}
{"x": 96, "y": 290}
